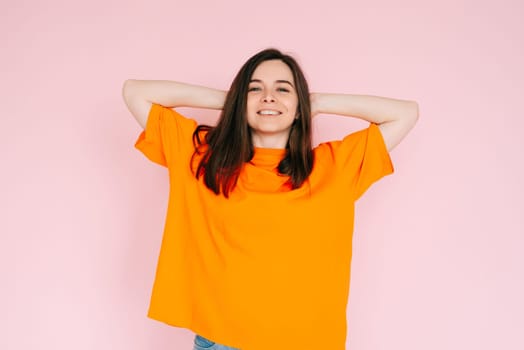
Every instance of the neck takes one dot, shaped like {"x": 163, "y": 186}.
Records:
{"x": 270, "y": 141}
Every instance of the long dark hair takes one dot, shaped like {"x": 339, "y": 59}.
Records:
{"x": 227, "y": 146}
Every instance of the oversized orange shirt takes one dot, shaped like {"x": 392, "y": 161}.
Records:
{"x": 268, "y": 267}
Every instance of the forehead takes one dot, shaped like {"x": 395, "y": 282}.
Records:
{"x": 272, "y": 70}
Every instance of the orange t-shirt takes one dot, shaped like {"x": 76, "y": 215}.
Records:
{"x": 268, "y": 267}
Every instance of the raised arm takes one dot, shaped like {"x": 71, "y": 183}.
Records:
{"x": 139, "y": 95}
{"x": 395, "y": 118}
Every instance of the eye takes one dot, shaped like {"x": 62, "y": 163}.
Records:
{"x": 283, "y": 89}
{"x": 254, "y": 88}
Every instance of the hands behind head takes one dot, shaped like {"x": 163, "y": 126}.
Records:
{"x": 315, "y": 104}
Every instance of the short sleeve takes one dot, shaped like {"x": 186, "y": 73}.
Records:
{"x": 167, "y": 136}
{"x": 362, "y": 159}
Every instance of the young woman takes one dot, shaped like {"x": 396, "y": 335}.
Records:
{"x": 257, "y": 241}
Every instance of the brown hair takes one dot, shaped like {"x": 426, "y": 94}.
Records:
{"x": 228, "y": 145}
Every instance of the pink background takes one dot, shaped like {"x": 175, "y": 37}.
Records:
{"x": 438, "y": 260}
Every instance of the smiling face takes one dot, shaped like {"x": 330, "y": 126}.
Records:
{"x": 271, "y": 104}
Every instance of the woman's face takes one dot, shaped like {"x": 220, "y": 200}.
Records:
{"x": 272, "y": 103}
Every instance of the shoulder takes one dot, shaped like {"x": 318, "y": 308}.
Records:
{"x": 330, "y": 148}
{"x": 168, "y": 115}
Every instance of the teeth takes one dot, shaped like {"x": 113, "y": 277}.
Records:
{"x": 269, "y": 112}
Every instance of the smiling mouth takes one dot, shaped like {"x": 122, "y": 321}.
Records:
{"x": 268, "y": 112}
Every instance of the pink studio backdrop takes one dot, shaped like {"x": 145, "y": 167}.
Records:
{"x": 437, "y": 248}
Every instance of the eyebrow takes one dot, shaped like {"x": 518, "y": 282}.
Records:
{"x": 278, "y": 81}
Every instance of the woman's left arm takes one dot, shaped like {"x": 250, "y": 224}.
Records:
{"x": 395, "y": 118}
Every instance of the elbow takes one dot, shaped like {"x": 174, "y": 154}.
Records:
{"x": 415, "y": 107}
{"x": 127, "y": 89}
{"x": 413, "y": 111}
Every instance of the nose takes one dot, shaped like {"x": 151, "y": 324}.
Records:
{"x": 268, "y": 97}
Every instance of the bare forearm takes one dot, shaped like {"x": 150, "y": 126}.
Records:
{"x": 395, "y": 117}
{"x": 174, "y": 94}
{"x": 140, "y": 94}
{"x": 374, "y": 109}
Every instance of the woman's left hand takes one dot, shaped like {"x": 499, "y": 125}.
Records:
{"x": 314, "y": 101}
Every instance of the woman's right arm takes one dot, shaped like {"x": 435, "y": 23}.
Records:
{"x": 139, "y": 95}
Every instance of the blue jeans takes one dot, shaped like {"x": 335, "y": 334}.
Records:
{"x": 202, "y": 343}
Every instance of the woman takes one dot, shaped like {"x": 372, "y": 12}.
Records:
{"x": 257, "y": 242}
